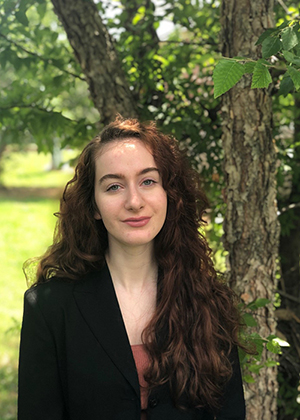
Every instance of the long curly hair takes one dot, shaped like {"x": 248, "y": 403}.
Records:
{"x": 196, "y": 312}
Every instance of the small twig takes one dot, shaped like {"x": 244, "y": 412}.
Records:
{"x": 289, "y": 207}
{"x": 286, "y": 315}
{"x": 290, "y": 297}
{"x": 47, "y": 60}
{"x": 187, "y": 42}
{"x": 284, "y": 7}
{"x": 27, "y": 106}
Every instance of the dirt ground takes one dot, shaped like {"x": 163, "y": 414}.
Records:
{"x": 25, "y": 193}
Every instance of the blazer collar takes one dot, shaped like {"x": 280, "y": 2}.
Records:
{"x": 96, "y": 299}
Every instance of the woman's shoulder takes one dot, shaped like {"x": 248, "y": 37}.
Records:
{"x": 52, "y": 286}
{"x": 49, "y": 296}
{"x": 59, "y": 289}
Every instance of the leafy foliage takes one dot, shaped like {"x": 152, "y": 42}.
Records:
{"x": 40, "y": 76}
{"x": 282, "y": 42}
{"x": 251, "y": 365}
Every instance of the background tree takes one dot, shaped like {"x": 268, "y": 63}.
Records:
{"x": 128, "y": 69}
{"x": 251, "y": 227}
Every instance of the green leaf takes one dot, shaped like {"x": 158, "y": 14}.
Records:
{"x": 295, "y": 76}
{"x": 289, "y": 38}
{"x": 271, "y": 337}
{"x": 283, "y": 25}
{"x": 249, "y": 66}
{"x": 5, "y": 57}
{"x": 261, "y": 76}
{"x": 41, "y": 9}
{"x": 265, "y": 35}
{"x": 271, "y": 363}
{"x": 140, "y": 15}
{"x": 291, "y": 58}
{"x": 58, "y": 80}
{"x": 226, "y": 74}
{"x": 161, "y": 59}
{"x": 297, "y": 49}
{"x": 288, "y": 56}
{"x": 297, "y": 30}
{"x": 286, "y": 86}
{"x": 53, "y": 37}
{"x": 249, "y": 320}
{"x": 22, "y": 18}
{"x": 255, "y": 368}
{"x": 271, "y": 46}
{"x": 273, "y": 347}
{"x": 242, "y": 354}
{"x": 261, "y": 302}
{"x": 59, "y": 63}
{"x": 258, "y": 303}
{"x": 248, "y": 379}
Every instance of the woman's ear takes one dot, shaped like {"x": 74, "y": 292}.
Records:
{"x": 97, "y": 215}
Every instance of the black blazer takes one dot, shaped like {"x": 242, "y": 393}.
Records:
{"x": 76, "y": 362}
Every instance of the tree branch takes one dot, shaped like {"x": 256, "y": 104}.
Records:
{"x": 284, "y": 7}
{"x": 40, "y": 57}
{"x": 290, "y": 297}
{"x": 286, "y": 315}
{"x": 188, "y": 43}
{"x": 38, "y": 108}
{"x": 95, "y": 52}
{"x": 289, "y": 207}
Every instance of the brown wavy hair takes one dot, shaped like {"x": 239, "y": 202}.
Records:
{"x": 196, "y": 312}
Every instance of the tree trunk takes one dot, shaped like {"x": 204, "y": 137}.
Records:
{"x": 289, "y": 286}
{"x": 251, "y": 226}
{"x": 95, "y": 52}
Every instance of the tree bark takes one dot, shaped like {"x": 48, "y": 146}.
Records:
{"x": 95, "y": 52}
{"x": 251, "y": 227}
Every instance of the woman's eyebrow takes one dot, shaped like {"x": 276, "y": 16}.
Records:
{"x": 120, "y": 176}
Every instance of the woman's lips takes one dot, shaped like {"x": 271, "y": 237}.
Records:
{"x": 137, "y": 222}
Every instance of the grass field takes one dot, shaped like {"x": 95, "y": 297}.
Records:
{"x": 26, "y": 229}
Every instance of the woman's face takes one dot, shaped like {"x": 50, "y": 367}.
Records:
{"x": 129, "y": 194}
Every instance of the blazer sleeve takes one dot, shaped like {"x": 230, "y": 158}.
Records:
{"x": 233, "y": 404}
{"x": 40, "y": 390}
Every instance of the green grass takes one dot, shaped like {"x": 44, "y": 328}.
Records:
{"x": 26, "y": 229}
{"x": 31, "y": 169}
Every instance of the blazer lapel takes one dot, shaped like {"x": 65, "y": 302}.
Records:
{"x": 98, "y": 304}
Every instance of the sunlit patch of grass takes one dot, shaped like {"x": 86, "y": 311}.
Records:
{"x": 31, "y": 169}
{"x": 26, "y": 230}
{"x": 8, "y": 389}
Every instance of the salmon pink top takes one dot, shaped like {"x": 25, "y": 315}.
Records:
{"x": 141, "y": 361}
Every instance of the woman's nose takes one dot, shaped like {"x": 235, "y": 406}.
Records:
{"x": 134, "y": 199}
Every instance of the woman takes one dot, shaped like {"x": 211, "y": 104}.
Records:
{"x": 127, "y": 317}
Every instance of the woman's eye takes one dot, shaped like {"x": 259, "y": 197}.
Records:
{"x": 113, "y": 188}
{"x": 148, "y": 182}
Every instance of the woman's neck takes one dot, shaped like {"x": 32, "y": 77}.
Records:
{"x": 132, "y": 268}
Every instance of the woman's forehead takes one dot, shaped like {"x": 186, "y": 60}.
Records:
{"x": 124, "y": 146}
{"x": 125, "y": 153}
